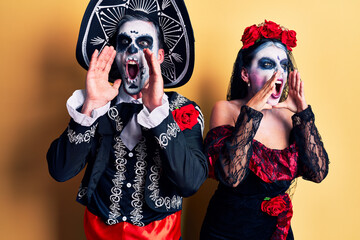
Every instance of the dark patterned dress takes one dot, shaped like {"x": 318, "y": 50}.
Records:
{"x": 258, "y": 207}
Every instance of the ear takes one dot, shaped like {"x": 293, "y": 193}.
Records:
{"x": 245, "y": 75}
{"x": 161, "y": 55}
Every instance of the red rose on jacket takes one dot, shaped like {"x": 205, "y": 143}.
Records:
{"x": 251, "y": 34}
{"x": 274, "y": 206}
{"x": 186, "y": 116}
{"x": 289, "y": 39}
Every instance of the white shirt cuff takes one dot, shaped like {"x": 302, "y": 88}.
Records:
{"x": 76, "y": 100}
{"x": 153, "y": 119}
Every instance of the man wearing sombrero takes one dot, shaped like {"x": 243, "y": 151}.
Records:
{"x": 142, "y": 147}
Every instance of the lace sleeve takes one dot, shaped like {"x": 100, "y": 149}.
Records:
{"x": 234, "y": 160}
{"x": 313, "y": 159}
{"x": 214, "y": 144}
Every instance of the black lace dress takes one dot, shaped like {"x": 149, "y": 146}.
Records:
{"x": 258, "y": 207}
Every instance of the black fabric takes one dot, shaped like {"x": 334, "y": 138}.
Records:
{"x": 179, "y": 172}
{"x": 234, "y": 160}
{"x": 234, "y": 213}
{"x": 314, "y": 160}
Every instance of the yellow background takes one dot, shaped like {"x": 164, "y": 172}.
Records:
{"x": 39, "y": 72}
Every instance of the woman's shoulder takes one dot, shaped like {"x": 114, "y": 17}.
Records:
{"x": 225, "y": 113}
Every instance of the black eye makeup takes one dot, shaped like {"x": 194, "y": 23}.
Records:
{"x": 123, "y": 41}
{"x": 269, "y": 64}
{"x": 266, "y": 63}
{"x": 284, "y": 64}
{"x": 144, "y": 42}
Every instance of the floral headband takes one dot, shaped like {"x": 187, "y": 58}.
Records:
{"x": 268, "y": 29}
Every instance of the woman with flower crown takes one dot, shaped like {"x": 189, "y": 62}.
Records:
{"x": 260, "y": 140}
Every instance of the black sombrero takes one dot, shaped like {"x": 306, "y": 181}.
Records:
{"x": 100, "y": 22}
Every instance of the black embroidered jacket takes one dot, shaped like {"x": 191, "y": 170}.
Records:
{"x": 139, "y": 185}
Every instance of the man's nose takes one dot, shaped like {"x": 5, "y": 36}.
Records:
{"x": 132, "y": 49}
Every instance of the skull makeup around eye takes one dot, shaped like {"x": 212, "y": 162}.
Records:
{"x": 134, "y": 36}
{"x": 265, "y": 62}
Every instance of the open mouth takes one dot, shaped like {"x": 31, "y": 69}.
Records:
{"x": 278, "y": 85}
{"x": 132, "y": 68}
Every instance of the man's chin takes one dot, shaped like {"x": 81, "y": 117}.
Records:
{"x": 132, "y": 89}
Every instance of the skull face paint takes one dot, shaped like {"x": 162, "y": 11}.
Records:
{"x": 134, "y": 36}
{"x": 265, "y": 62}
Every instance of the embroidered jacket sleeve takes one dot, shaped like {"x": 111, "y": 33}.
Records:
{"x": 68, "y": 154}
{"x": 232, "y": 166}
{"x": 313, "y": 160}
{"x": 182, "y": 159}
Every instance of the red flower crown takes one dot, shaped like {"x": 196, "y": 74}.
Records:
{"x": 268, "y": 29}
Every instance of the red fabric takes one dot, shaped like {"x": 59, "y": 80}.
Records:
{"x": 281, "y": 207}
{"x": 274, "y": 165}
{"x": 214, "y": 142}
{"x": 268, "y": 164}
{"x": 165, "y": 229}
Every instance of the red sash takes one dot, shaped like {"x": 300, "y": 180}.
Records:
{"x": 168, "y": 228}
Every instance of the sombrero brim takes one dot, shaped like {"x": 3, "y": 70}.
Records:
{"x": 100, "y": 22}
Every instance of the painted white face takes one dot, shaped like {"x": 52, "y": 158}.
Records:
{"x": 265, "y": 63}
{"x": 134, "y": 36}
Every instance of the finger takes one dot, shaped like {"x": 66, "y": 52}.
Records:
{"x": 269, "y": 86}
{"x": 294, "y": 79}
{"x": 302, "y": 89}
{"x": 269, "y": 90}
{"x": 110, "y": 60}
{"x": 281, "y": 105}
{"x": 274, "y": 77}
{"x": 290, "y": 80}
{"x": 93, "y": 60}
{"x": 265, "y": 92}
{"x": 152, "y": 62}
{"x": 107, "y": 57}
{"x": 298, "y": 81}
{"x": 148, "y": 55}
{"x": 103, "y": 58}
{"x": 277, "y": 75}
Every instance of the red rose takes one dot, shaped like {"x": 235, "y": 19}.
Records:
{"x": 274, "y": 206}
{"x": 289, "y": 39}
{"x": 186, "y": 116}
{"x": 251, "y": 34}
{"x": 270, "y": 30}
